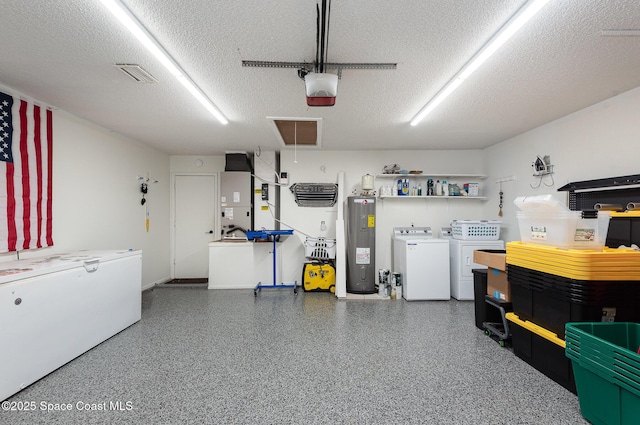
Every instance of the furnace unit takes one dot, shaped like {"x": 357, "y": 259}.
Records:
{"x": 235, "y": 204}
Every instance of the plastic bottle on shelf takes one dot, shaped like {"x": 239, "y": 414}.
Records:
{"x": 405, "y": 187}
{"x": 438, "y": 188}
{"x": 445, "y": 188}
{"x": 420, "y": 189}
{"x": 430, "y": 187}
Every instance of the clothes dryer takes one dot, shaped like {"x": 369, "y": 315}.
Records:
{"x": 461, "y": 252}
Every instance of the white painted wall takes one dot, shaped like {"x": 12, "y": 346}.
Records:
{"x": 191, "y": 164}
{"x": 597, "y": 142}
{"x": 97, "y": 198}
{"x": 323, "y": 167}
{"x": 96, "y": 195}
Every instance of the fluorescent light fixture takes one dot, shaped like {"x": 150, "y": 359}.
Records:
{"x": 521, "y": 17}
{"x": 132, "y": 23}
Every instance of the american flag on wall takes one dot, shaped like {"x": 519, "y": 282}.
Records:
{"x": 26, "y": 150}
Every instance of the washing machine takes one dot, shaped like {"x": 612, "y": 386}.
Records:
{"x": 461, "y": 252}
{"x": 423, "y": 262}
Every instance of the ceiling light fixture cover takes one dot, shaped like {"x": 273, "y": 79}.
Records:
{"x": 521, "y": 17}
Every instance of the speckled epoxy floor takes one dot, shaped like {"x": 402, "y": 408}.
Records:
{"x": 226, "y": 357}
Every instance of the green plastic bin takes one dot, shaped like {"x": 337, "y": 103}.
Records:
{"x": 603, "y": 402}
{"x": 606, "y": 368}
{"x": 606, "y": 348}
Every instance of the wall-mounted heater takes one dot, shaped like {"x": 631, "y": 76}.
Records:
{"x": 315, "y": 194}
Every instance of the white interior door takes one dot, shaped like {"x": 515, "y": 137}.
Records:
{"x": 194, "y": 228}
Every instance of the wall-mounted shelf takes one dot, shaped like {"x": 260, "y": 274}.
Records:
{"x": 476, "y": 198}
{"x": 424, "y": 175}
{"x": 615, "y": 190}
{"x": 422, "y": 179}
{"x": 602, "y": 183}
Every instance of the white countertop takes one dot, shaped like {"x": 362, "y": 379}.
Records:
{"x": 230, "y": 242}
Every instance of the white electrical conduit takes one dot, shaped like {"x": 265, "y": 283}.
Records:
{"x": 275, "y": 172}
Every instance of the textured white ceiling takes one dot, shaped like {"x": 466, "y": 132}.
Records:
{"x": 61, "y": 52}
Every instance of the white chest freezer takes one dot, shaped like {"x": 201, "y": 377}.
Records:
{"x": 55, "y": 308}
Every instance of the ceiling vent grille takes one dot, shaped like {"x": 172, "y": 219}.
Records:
{"x": 315, "y": 194}
{"x": 138, "y": 73}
